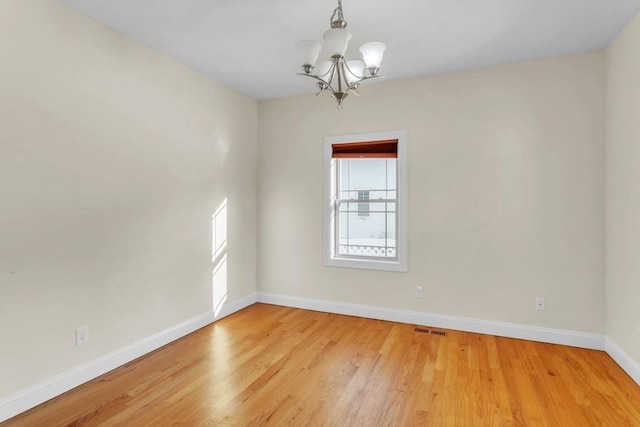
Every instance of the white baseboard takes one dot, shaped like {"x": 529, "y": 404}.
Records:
{"x": 28, "y": 398}
{"x": 236, "y": 305}
{"x": 622, "y": 358}
{"x": 511, "y": 330}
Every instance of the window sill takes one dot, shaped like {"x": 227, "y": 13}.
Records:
{"x": 366, "y": 264}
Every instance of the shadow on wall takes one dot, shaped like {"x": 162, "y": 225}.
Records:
{"x": 219, "y": 256}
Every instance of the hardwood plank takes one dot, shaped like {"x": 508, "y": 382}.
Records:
{"x": 270, "y": 365}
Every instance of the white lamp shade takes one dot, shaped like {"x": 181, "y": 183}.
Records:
{"x": 354, "y": 71}
{"x": 322, "y": 68}
{"x": 336, "y": 41}
{"x": 372, "y": 53}
{"x": 308, "y": 51}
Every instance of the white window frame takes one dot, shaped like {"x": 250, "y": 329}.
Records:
{"x": 330, "y": 257}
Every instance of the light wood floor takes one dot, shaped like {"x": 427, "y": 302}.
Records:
{"x": 269, "y": 365}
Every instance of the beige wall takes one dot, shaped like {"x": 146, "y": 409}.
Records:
{"x": 506, "y": 190}
{"x": 623, "y": 190}
{"x": 113, "y": 159}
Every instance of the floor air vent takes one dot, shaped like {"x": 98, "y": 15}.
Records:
{"x": 426, "y": 331}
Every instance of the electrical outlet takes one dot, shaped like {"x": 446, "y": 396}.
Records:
{"x": 418, "y": 291}
{"x": 82, "y": 335}
{"x": 540, "y": 304}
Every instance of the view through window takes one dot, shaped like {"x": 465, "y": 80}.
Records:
{"x": 366, "y": 229}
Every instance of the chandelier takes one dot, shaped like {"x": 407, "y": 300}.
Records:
{"x": 337, "y": 75}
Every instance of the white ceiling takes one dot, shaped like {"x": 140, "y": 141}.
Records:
{"x": 249, "y": 44}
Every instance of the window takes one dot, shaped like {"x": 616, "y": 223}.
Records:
{"x": 363, "y": 207}
{"x": 365, "y": 201}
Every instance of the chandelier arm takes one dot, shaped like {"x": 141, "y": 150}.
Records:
{"x": 360, "y": 78}
{"x": 322, "y": 76}
{"x": 329, "y": 87}
{"x": 332, "y": 71}
{"x": 367, "y": 78}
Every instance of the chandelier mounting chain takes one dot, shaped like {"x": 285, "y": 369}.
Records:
{"x": 337, "y": 11}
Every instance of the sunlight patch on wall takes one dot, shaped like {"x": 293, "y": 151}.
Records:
{"x": 219, "y": 284}
{"x": 219, "y": 256}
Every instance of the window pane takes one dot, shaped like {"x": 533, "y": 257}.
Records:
{"x": 378, "y": 194}
{"x": 343, "y": 223}
{"x": 343, "y": 171}
{"x": 380, "y": 207}
{"x": 363, "y": 207}
{"x": 366, "y": 231}
{"x": 362, "y": 174}
{"x": 360, "y": 237}
{"x": 391, "y": 229}
{"x": 366, "y": 227}
{"x": 355, "y": 207}
{"x": 391, "y": 174}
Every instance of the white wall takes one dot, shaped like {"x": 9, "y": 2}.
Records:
{"x": 113, "y": 159}
{"x": 506, "y": 190}
{"x": 623, "y": 191}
